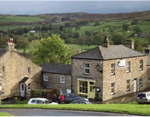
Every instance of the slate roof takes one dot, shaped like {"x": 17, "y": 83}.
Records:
{"x": 2, "y": 51}
{"x": 57, "y": 68}
{"x": 106, "y": 53}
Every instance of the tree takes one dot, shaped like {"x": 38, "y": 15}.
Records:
{"x": 50, "y": 50}
{"x": 136, "y": 29}
{"x": 138, "y": 46}
{"x": 98, "y": 39}
{"x": 76, "y": 35}
{"x": 134, "y": 22}
{"x": 125, "y": 27}
{"x": 22, "y": 43}
{"x": 119, "y": 38}
{"x": 97, "y": 23}
{"x": 88, "y": 32}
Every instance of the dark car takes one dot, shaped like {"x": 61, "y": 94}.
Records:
{"x": 69, "y": 97}
{"x": 80, "y": 102}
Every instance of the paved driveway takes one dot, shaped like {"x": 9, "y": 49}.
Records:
{"x": 47, "y": 112}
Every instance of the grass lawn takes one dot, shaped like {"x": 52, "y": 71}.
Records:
{"x": 117, "y": 108}
{"x": 5, "y": 114}
{"x": 11, "y": 18}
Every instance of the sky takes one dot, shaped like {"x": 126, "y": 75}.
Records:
{"x": 58, "y": 6}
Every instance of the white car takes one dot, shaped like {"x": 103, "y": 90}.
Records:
{"x": 38, "y": 101}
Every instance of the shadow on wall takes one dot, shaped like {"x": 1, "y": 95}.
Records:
{"x": 35, "y": 84}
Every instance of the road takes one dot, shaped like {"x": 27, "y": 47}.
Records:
{"x": 46, "y": 112}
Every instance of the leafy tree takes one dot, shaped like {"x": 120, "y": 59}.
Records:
{"x": 50, "y": 50}
{"x": 98, "y": 39}
{"x": 111, "y": 29}
{"x": 97, "y": 23}
{"x": 88, "y": 32}
{"x": 81, "y": 40}
{"x": 125, "y": 27}
{"x": 138, "y": 46}
{"x": 134, "y": 22}
{"x": 136, "y": 29}
{"x": 22, "y": 43}
{"x": 119, "y": 38}
{"x": 76, "y": 35}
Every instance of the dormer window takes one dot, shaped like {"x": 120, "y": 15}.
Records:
{"x": 86, "y": 68}
{"x": 29, "y": 70}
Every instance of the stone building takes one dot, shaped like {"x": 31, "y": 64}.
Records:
{"x": 57, "y": 76}
{"x": 18, "y": 74}
{"x": 116, "y": 69}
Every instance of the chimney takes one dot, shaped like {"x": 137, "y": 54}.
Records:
{"x": 10, "y": 47}
{"x": 130, "y": 43}
{"x": 106, "y": 42}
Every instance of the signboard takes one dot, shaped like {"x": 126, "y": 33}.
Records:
{"x": 121, "y": 63}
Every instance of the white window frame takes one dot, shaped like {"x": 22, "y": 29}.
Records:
{"x": 62, "y": 79}
{"x": 141, "y": 65}
{"x": 129, "y": 66}
{"x": 113, "y": 87}
{"x": 45, "y": 77}
{"x": 128, "y": 85}
{"x": 141, "y": 82}
{"x": 86, "y": 68}
{"x": 113, "y": 68}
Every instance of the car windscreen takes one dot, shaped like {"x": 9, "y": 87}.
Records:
{"x": 33, "y": 101}
{"x": 141, "y": 95}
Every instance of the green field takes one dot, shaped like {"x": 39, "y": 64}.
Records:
{"x": 11, "y": 18}
{"x": 117, "y": 108}
{"x": 5, "y": 114}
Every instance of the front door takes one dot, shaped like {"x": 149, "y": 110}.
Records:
{"x": 135, "y": 85}
{"x": 91, "y": 89}
{"x": 22, "y": 89}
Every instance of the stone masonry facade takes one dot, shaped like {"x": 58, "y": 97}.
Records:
{"x": 54, "y": 82}
{"x": 16, "y": 68}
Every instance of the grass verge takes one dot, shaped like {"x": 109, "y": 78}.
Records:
{"x": 5, "y": 114}
{"x": 135, "y": 109}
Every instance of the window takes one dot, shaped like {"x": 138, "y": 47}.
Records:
{"x": 83, "y": 86}
{"x": 68, "y": 90}
{"x": 128, "y": 66}
{"x": 141, "y": 82}
{"x": 3, "y": 68}
{"x": 128, "y": 85}
{"x": 33, "y": 101}
{"x": 45, "y": 76}
{"x": 29, "y": 70}
{"x": 29, "y": 86}
{"x": 141, "y": 64}
{"x": 113, "y": 69}
{"x": 22, "y": 87}
{"x": 86, "y": 68}
{"x": 148, "y": 80}
{"x": 62, "y": 79}
{"x": 112, "y": 88}
{"x": 62, "y": 91}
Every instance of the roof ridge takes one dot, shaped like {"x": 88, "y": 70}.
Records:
{"x": 84, "y": 52}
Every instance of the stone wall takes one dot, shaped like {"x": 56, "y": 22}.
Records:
{"x": 16, "y": 67}
{"x": 121, "y": 76}
{"x": 78, "y": 72}
{"x": 54, "y": 82}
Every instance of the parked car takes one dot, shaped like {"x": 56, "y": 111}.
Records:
{"x": 80, "y": 102}
{"x": 143, "y": 97}
{"x": 69, "y": 97}
{"x": 38, "y": 101}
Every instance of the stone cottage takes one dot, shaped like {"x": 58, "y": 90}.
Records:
{"x": 114, "y": 69}
{"x": 18, "y": 74}
{"x": 56, "y": 76}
